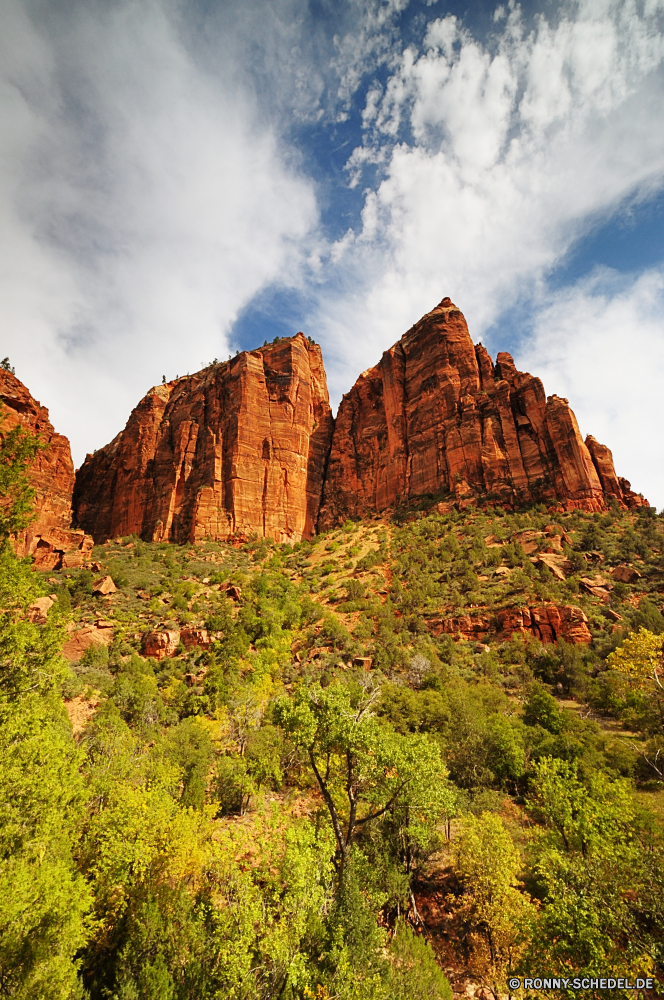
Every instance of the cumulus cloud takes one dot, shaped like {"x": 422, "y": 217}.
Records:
{"x": 144, "y": 201}
{"x": 490, "y": 159}
{"x": 600, "y": 343}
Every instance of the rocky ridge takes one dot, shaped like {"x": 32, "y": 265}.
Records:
{"x": 436, "y": 415}
{"x": 49, "y": 539}
{"x": 250, "y": 447}
{"x": 238, "y": 448}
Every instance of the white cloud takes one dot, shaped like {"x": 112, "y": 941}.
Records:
{"x": 601, "y": 344}
{"x": 496, "y": 156}
{"x": 143, "y": 202}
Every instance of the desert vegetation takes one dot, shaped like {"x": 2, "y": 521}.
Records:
{"x": 357, "y": 778}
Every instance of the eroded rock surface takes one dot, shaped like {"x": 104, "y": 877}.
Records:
{"x": 238, "y": 448}
{"x": 545, "y": 622}
{"x": 437, "y": 415}
{"x": 49, "y": 538}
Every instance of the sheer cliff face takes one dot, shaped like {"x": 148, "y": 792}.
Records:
{"x": 436, "y": 415}
{"x": 49, "y": 538}
{"x": 236, "y": 449}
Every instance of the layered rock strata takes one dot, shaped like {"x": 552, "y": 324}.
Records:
{"x": 49, "y": 538}
{"x": 545, "y": 622}
{"x": 237, "y": 449}
{"x": 436, "y": 415}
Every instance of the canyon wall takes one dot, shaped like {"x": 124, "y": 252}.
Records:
{"x": 436, "y": 415}
{"x": 237, "y": 449}
{"x": 250, "y": 447}
{"x": 49, "y": 538}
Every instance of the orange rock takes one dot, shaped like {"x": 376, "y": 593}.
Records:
{"x": 104, "y": 586}
{"x": 546, "y": 622}
{"x": 363, "y": 661}
{"x": 49, "y": 539}
{"x": 556, "y": 563}
{"x": 436, "y": 415}
{"x": 83, "y": 637}
{"x": 625, "y": 574}
{"x": 191, "y": 637}
{"x": 238, "y": 448}
{"x": 161, "y": 643}
{"x": 39, "y": 609}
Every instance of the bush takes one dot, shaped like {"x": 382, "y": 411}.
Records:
{"x": 541, "y": 709}
{"x": 414, "y": 972}
{"x": 232, "y": 785}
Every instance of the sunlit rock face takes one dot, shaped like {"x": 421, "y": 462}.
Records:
{"x": 250, "y": 446}
{"x": 436, "y": 415}
{"x": 49, "y": 538}
{"x": 235, "y": 450}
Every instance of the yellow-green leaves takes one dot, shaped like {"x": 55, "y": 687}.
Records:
{"x": 492, "y": 910}
{"x": 640, "y": 659}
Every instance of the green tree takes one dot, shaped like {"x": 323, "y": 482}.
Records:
{"x": 601, "y": 893}
{"x": 44, "y": 901}
{"x": 189, "y": 746}
{"x": 17, "y": 449}
{"x": 414, "y": 972}
{"x": 363, "y": 768}
{"x": 492, "y": 912}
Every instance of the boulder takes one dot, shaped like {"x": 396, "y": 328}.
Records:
{"x": 365, "y": 662}
{"x": 104, "y": 586}
{"x": 160, "y": 643}
{"x": 191, "y": 637}
{"x": 39, "y": 609}
{"x": 625, "y": 574}
{"x": 556, "y": 563}
{"x": 82, "y": 636}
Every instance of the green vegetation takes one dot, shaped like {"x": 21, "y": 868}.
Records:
{"x": 362, "y": 785}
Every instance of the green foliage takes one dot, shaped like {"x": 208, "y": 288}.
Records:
{"x": 414, "y": 972}
{"x": 541, "y": 709}
{"x": 599, "y": 889}
{"x": 249, "y": 819}
{"x": 17, "y": 449}
{"x": 189, "y": 746}
{"x": 43, "y": 899}
{"x": 491, "y": 907}
{"x": 364, "y": 769}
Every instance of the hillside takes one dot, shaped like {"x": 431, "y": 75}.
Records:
{"x": 311, "y": 709}
{"x": 405, "y": 639}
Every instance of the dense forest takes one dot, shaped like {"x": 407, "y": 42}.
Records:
{"x": 359, "y": 783}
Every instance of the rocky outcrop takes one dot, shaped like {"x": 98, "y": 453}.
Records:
{"x": 164, "y": 642}
{"x": 82, "y": 636}
{"x": 436, "y": 415}
{"x": 238, "y": 448}
{"x": 546, "y": 622}
{"x": 49, "y": 538}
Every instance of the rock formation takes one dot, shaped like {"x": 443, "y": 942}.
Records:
{"x": 238, "y": 448}
{"x": 49, "y": 538}
{"x": 436, "y": 415}
{"x": 545, "y": 622}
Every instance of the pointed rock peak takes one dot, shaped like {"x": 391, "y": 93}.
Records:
{"x": 446, "y": 303}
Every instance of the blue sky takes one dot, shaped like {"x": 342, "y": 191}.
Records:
{"x": 179, "y": 180}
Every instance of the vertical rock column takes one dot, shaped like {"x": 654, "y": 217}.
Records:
{"x": 235, "y": 450}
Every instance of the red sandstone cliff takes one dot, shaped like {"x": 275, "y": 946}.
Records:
{"x": 49, "y": 538}
{"x": 436, "y": 415}
{"x": 238, "y": 448}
